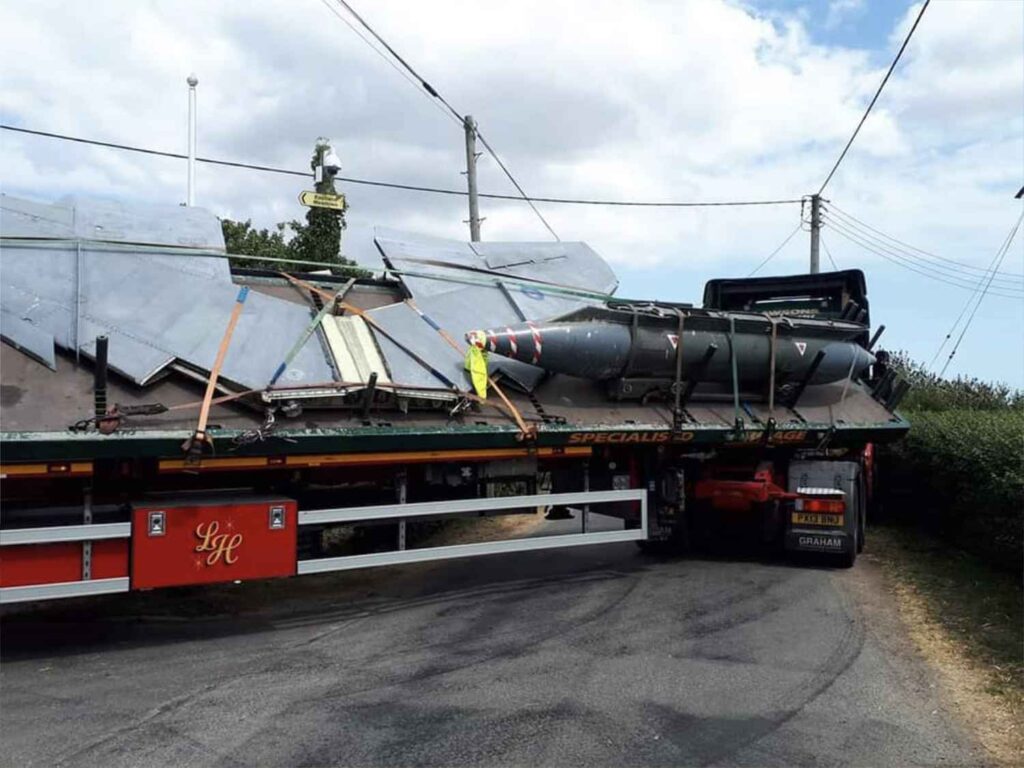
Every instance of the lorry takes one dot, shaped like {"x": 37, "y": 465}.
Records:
{"x": 142, "y": 446}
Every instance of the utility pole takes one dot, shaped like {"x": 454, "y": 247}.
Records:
{"x": 474, "y": 204}
{"x": 192, "y": 81}
{"x": 815, "y": 233}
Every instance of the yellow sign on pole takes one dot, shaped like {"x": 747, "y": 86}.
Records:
{"x": 318, "y": 200}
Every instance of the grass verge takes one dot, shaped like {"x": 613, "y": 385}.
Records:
{"x": 967, "y": 619}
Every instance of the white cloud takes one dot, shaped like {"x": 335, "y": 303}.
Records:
{"x": 840, "y": 10}
{"x": 696, "y": 100}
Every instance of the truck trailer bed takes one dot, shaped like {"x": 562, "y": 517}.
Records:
{"x": 40, "y": 408}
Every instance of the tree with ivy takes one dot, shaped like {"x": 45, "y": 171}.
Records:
{"x": 318, "y": 239}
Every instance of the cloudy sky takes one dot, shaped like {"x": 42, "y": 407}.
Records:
{"x": 701, "y": 100}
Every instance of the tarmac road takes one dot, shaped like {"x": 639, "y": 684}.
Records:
{"x": 593, "y": 656}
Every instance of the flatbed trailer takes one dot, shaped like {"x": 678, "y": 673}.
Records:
{"x": 78, "y": 506}
{"x": 98, "y": 499}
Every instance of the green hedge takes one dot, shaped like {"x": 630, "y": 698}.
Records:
{"x": 960, "y": 473}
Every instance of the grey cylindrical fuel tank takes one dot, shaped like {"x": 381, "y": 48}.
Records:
{"x": 593, "y": 349}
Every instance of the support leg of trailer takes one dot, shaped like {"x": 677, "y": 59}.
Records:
{"x": 401, "y": 489}
{"x": 87, "y": 545}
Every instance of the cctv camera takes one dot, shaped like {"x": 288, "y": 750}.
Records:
{"x": 332, "y": 164}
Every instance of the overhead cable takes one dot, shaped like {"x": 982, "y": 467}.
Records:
{"x": 1006, "y": 282}
{"x": 516, "y": 184}
{"x": 776, "y": 251}
{"x": 856, "y": 223}
{"x": 878, "y": 93}
{"x": 967, "y": 305}
{"x": 415, "y": 83}
{"x": 426, "y": 86}
{"x": 965, "y": 282}
{"x": 999, "y": 261}
{"x": 395, "y": 185}
{"x": 455, "y": 113}
{"x": 828, "y": 253}
{"x": 942, "y": 278}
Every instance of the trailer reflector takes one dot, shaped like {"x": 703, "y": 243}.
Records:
{"x": 52, "y": 469}
{"x": 821, "y": 506}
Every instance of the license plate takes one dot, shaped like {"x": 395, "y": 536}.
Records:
{"x": 817, "y": 518}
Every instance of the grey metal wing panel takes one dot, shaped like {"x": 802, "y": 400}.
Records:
{"x": 535, "y": 304}
{"x": 422, "y": 281}
{"x": 403, "y": 325}
{"x": 126, "y": 354}
{"x": 39, "y": 287}
{"x": 580, "y": 267}
{"x": 39, "y": 284}
{"x": 25, "y": 218}
{"x": 395, "y": 244}
{"x": 149, "y": 224}
{"x": 155, "y": 310}
{"x": 30, "y": 339}
{"x": 463, "y": 311}
{"x": 111, "y": 221}
{"x": 168, "y": 305}
{"x": 502, "y": 255}
{"x": 266, "y": 332}
{"x": 207, "y": 267}
{"x": 424, "y": 263}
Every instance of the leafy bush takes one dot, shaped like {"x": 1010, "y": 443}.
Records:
{"x": 929, "y": 392}
{"x": 960, "y": 471}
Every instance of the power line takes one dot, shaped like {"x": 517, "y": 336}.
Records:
{"x": 426, "y": 86}
{"x": 455, "y": 113}
{"x": 958, "y": 282}
{"x": 878, "y": 93}
{"x": 967, "y": 304}
{"x": 1007, "y": 282}
{"x": 773, "y": 253}
{"x": 1006, "y": 249}
{"x": 330, "y": 5}
{"x": 516, "y": 184}
{"x": 916, "y": 268}
{"x": 939, "y": 270}
{"x": 407, "y": 187}
{"x": 828, "y": 253}
{"x": 853, "y": 222}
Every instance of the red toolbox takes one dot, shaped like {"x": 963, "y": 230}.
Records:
{"x": 203, "y": 540}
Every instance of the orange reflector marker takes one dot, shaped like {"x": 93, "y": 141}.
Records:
{"x": 370, "y": 459}
{"x": 53, "y": 469}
